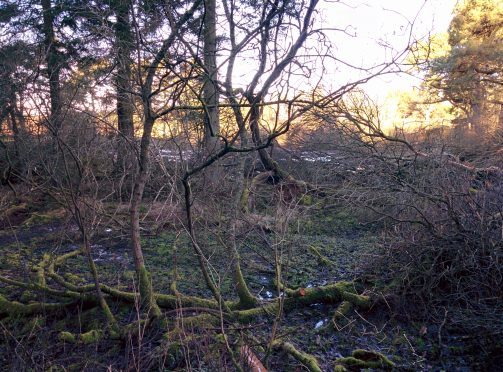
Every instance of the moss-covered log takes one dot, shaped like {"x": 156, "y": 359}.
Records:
{"x": 39, "y": 288}
{"x": 14, "y": 308}
{"x": 340, "y": 313}
{"x": 40, "y": 270}
{"x": 361, "y": 359}
{"x": 307, "y": 360}
{"x": 342, "y": 291}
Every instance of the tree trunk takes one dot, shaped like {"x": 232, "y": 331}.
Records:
{"x": 267, "y": 161}
{"x": 145, "y": 283}
{"x": 17, "y": 143}
{"x": 246, "y": 298}
{"x": 210, "y": 88}
{"x": 53, "y": 62}
{"x": 124, "y": 39}
{"x": 125, "y": 108}
{"x": 112, "y": 322}
{"x": 11, "y": 113}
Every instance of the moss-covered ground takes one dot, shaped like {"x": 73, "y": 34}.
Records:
{"x": 320, "y": 246}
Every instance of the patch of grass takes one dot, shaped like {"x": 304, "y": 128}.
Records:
{"x": 327, "y": 221}
{"x": 38, "y": 218}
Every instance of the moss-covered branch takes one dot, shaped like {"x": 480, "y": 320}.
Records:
{"x": 361, "y": 359}
{"x": 14, "y": 308}
{"x": 307, "y": 360}
{"x": 342, "y": 291}
{"x": 40, "y": 288}
{"x": 340, "y": 313}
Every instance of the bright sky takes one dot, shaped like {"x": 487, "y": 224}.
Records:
{"x": 369, "y": 32}
{"x": 365, "y": 33}
{"x": 375, "y": 23}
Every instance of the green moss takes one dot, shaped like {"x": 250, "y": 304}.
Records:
{"x": 346, "y": 218}
{"x": 12, "y": 259}
{"x": 340, "y": 368}
{"x": 340, "y": 313}
{"x": 164, "y": 248}
{"x": 146, "y": 293}
{"x": 306, "y": 296}
{"x": 115, "y": 332}
{"x": 28, "y": 296}
{"x": 321, "y": 259}
{"x": 244, "y": 198}
{"x": 11, "y": 307}
{"x": 40, "y": 219}
{"x": 354, "y": 362}
{"x": 306, "y": 200}
{"x": 202, "y": 321}
{"x": 367, "y": 359}
{"x": 360, "y": 301}
{"x": 220, "y": 338}
{"x": 74, "y": 279}
{"x": 91, "y": 337}
{"x": 40, "y": 270}
{"x": 75, "y": 367}
{"x": 367, "y": 355}
{"x": 67, "y": 337}
{"x": 307, "y": 360}
{"x": 328, "y": 221}
{"x": 172, "y": 350}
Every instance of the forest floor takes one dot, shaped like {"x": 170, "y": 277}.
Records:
{"x": 324, "y": 247}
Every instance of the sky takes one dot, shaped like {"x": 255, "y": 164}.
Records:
{"x": 364, "y": 34}
{"x": 375, "y": 31}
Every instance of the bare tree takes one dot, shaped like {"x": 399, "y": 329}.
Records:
{"x": 150, "y": 115}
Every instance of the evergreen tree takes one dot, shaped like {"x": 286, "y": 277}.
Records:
{"x": 470, "y": 74}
